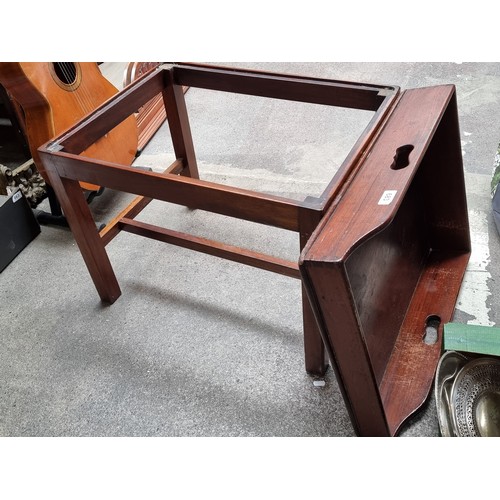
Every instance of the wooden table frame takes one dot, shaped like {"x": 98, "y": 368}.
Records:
{"x": 409, "y": 124}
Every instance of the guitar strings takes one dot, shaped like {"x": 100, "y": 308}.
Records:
{"x": 70, "y": 73}
{"x": 83, "y": 97}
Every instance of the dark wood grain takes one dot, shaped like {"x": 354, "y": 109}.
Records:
{"x": 195, "y": 193}
{"x": 134, "y": 208}
{"x": 83, "y": 227}
{"x": 377, "y": 270}
{"x": 178, "y": 121}
{"x": 289, "y": 87}
{"x": 214, "y": 248}
{"x": 314, "y": 348}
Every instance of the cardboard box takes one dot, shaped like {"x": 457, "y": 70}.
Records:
{"x": 18, "y": 226}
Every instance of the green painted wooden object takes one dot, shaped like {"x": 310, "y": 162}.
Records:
{"x": 472, "y": 338}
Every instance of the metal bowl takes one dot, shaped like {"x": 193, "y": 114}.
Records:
{"x": 449, "y": 365}
{"x": 475, "y": 398}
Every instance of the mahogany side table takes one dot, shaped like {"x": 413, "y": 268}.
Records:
{"x": 383, "y": 248}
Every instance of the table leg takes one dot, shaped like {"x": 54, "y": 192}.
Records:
{"x": 314, "y": 349}
{"x": 83, "y": 227}
{"x": 180, "y": 131}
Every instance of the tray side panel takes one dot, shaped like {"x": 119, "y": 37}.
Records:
{"x": 383, "y": 273}
{"x": 401, "y": 236}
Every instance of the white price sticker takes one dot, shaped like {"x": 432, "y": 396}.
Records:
{"x": 387, "y": 197}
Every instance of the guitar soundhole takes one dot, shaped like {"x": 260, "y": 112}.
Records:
{"x": 66, "y": 74}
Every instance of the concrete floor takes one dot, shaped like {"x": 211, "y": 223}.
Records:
{"x": 198, "y": 346}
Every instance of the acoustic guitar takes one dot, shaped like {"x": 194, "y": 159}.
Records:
{"x": 53, "y": 96}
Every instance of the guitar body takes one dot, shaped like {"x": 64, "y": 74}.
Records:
{"x": 54, "y": 96}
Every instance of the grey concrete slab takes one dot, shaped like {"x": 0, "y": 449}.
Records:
{"x": 198, "y": 346}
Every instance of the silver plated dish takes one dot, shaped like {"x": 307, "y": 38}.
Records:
{"x": 475, "y": 399}
{"x": 449, "y": 365}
